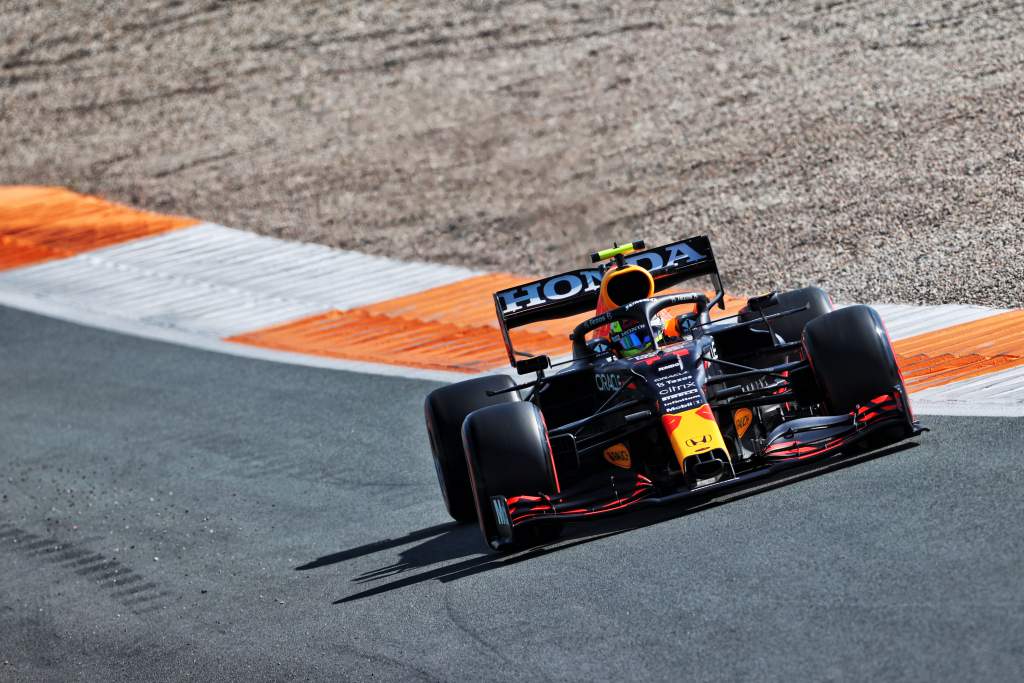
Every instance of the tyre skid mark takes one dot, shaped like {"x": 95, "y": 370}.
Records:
{"x": 109, "y": 574}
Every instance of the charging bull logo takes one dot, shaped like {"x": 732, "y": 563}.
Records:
{"x": 692, "y": 432}
{"x": 572, "y": 284}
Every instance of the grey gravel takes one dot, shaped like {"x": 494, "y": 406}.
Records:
{"x": 874, "y": 148}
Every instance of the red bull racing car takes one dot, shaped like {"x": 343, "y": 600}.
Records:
{"x": 658, "y": 403}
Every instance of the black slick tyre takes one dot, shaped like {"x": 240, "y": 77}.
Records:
{"x": 445, "y": 410}
{"x": 851, "y": 358}
{"x": 508, "y": 453}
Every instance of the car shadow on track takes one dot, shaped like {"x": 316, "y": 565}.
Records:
{"x": 441, "y": 545}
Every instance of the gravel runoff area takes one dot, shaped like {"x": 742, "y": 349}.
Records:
{"x": 876, "y": 148}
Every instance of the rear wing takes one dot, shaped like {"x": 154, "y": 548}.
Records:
{"x": 577, "y": 291}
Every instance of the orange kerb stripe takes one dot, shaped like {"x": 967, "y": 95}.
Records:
{"x": 42, "y": 223}
{"x": 466, "y": 303}
{"x": 453, "y": 327}
{"x": 358, "y": 335}
{"x": 962, "y": 351}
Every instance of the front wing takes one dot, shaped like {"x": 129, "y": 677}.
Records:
{"x": 809, "y": 443}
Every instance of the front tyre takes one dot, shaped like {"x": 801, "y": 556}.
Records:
{"x": 445, "y": 410}
{"x": 851, "y": 358}
{"x": 508, "y": 454}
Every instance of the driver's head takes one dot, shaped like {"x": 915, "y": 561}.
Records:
{"x": 630, "y": 339}
{"x": 623, "y": 285}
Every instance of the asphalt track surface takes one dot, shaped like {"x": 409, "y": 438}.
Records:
{"x": 167, "y": 513}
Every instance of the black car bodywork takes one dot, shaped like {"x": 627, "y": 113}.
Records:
{"x": 785, "y": 382}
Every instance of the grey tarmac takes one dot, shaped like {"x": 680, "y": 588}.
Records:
{"x": 169, "y": 513}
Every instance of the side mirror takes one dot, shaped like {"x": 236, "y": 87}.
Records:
{"x": 533, "y": 364}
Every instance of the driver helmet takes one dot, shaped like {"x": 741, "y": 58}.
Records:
{"x": 620, "y": 286}
{"x": 633, "y": 340}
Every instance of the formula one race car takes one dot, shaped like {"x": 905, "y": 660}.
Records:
{"x": 656, "y": 407}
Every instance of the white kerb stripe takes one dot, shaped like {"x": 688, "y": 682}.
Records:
{"x": 216, "y": 281}
{"x": 905, "y": 320}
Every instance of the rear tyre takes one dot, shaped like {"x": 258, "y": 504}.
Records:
{"x": 790, "y": 327}
{"x": 445, "y": 410}
{"x": 508, "y": 454}
{"x": 851, "y": 357}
